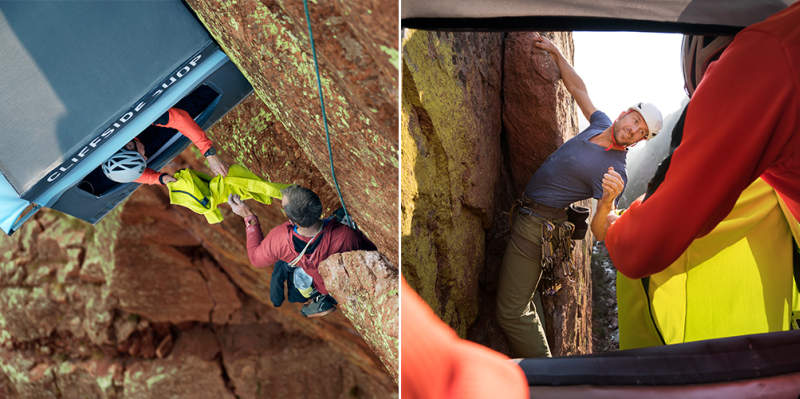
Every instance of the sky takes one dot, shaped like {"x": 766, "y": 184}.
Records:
{"x": 623, "y": 68}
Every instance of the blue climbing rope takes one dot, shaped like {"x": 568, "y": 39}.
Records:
{"x": 347, "y": 220}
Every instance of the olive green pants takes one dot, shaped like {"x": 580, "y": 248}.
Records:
{"x": 519, "y": 307}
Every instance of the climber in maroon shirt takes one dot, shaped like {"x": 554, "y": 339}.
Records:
{"x": 742, "y": 123}
{"x": 304, "y": 241}
{"x": 129, "y": 164}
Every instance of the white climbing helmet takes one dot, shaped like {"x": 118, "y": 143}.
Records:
{"x": 651, "y": 115}
{"x": 125, "y": 166}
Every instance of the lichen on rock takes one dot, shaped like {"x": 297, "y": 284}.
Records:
{"x": 270, "y": 45}
{"x": 366, "y": 286}
{"x": 450, "y": 130}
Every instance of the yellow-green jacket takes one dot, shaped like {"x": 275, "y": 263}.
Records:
{"x": 736, "y": 280}
{"x": 202, "y": 194}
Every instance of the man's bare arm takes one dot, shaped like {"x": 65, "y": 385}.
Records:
{"x": 604, "y": 215}
{"x": 572, "y": 81}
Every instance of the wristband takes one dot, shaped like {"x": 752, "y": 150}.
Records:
{"x": 250, "y": 220}
{"x": 161, "y": 178}
{"x": 211, "y": 151}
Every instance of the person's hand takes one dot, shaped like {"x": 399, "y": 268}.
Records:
{"x": 216, "y": 165}
{"x": 166, "y": 178}
{"x": 612, "y": 217}
{"x": 544, "y": 44}
{"x": 612, "y": 185}
{"x": 238, "y": 206}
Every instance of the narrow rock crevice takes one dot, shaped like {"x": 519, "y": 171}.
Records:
{"x": 210, "y": 296}
{"x": 210, "y": 256}
{"x": 55, "y": 383}
{"x": 219, "y": 357}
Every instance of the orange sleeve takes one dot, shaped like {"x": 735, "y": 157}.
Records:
{"x": 737, "y": 126}
{"x": 438, "y": 364}
{"x": 149, "y": 176}
{"x": 182, "y": 122}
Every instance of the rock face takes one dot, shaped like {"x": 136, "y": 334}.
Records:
{"x": 155, "y": 302}
{"x": 136, "y": 307}
{"x": 538, "y": 112}
{"x": 451, "y": 157}
{"x": 481, "y": 111}
{"x": 355, "y": 41}
{"x": 366, "y": 286}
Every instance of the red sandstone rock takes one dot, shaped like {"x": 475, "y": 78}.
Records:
{"x": 356, "y": 46}
{"x": 538, "y": 112}
{"x": 183, "y": 377}
{"x": 366, "y": 286}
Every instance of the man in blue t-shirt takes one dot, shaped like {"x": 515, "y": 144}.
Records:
{"x": 589, "y": 165}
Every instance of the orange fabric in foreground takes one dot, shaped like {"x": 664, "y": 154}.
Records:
{"x": 436, "y": 363}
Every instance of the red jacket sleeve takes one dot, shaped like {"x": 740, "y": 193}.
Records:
{"x": 262, "y": 252}
{"x": 437, "y": 364}
{"x": 182, "y": 122}
{"x": 736, "y": 127}
{"x": 149, "y": 176}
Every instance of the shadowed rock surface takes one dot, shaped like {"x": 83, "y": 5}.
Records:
{"x": 155, "y": 302}
{"x": 481, "y": 111}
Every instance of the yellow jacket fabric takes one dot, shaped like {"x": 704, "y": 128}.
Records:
{"x": 736, "y": 280}
{"x": 203, "y": 194}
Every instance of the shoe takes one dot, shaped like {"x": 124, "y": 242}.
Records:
{"x": 320, "y": 305}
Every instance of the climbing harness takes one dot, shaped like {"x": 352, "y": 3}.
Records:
{"x": 347, "y": 220}
{"x": 556, "y": 245}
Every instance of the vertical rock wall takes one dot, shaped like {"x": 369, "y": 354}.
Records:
{"x": 538, "y": 111}
{"x": 451, "y": 156}
{"x": 356, "y": 46}
{"x": 452, "y": 248}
